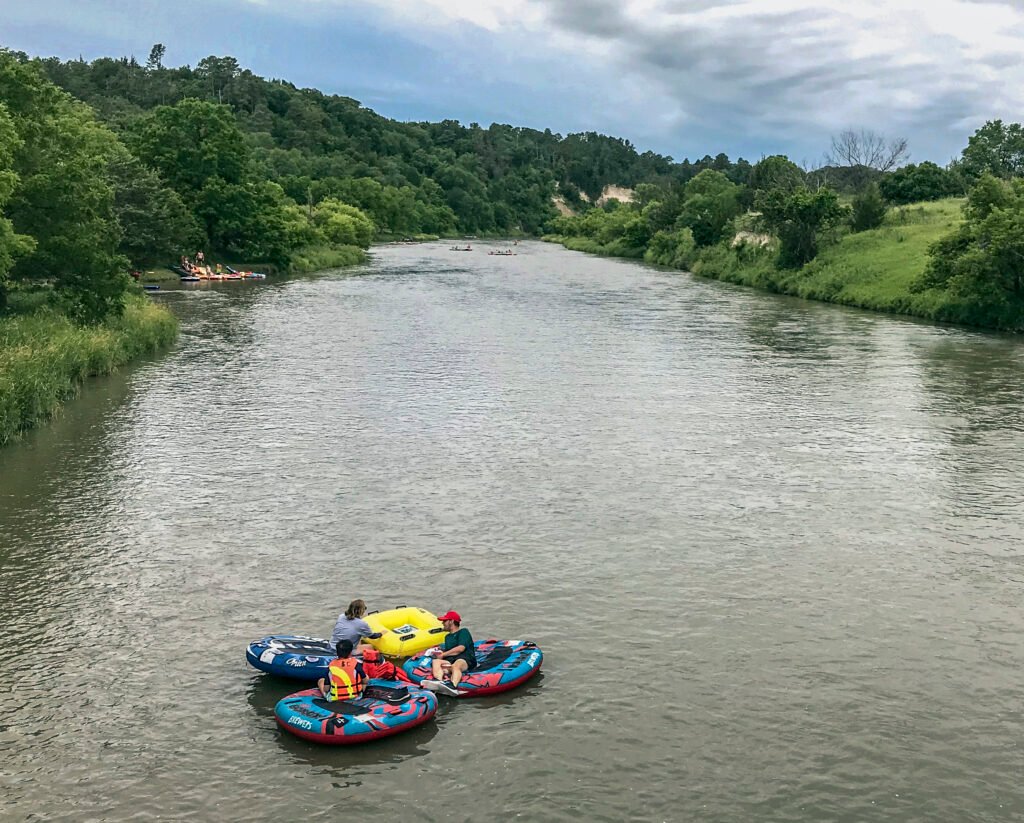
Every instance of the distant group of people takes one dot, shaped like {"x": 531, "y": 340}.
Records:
{"x": 199, "y": 266}
{"x": 358, "y": 662}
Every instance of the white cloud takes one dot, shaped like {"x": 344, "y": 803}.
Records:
{"x": 783, "y": 69}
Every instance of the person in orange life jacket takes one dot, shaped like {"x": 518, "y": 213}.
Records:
{"x": 457, "y": 655}
{"x": 345, "y": 676}
{"x": 375, "y": 665}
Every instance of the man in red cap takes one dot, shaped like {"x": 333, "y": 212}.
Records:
{"x": 458, "y": 655}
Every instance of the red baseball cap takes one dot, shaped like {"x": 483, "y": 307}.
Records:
{"x": 450, "y": 615}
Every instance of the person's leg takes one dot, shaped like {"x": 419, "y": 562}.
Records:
{"x": 436, "y": 668}
{"x": 458, "y": 669}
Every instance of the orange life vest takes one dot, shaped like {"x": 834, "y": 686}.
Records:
{"x": 346, "y": 678}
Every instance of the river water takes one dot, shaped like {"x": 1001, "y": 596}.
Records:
{"x": 772, "y": 550}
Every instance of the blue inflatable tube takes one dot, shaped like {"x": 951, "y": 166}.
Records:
{"x": 292, "y": 656}
{"x": 384, "y": 709}
{"x": 500, "y": 665}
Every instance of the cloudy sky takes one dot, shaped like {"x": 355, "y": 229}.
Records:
{"x": 682, "y": 77}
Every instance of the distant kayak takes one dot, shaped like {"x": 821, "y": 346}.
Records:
{"x": 293, "y": 656}
{"x": 381, "y": 711}
{"x": 500, "y": 665}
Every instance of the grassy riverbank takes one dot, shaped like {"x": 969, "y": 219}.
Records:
{"x": 617, "y": 248}
{"x": 319, "y": 258}
{"x": 44, "y": 357}
{"x": 872, "y": 270}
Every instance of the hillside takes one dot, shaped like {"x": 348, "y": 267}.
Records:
{"x": 439, "y": 178}
{"x": 873, "y": 269}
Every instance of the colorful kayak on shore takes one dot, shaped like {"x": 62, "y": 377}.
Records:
{"x": 291, "y": 655}
{"x": 381, "y": 711}
{"x": 500, "y": 665}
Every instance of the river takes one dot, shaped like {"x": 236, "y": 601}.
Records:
{"x": 772, "y": 550}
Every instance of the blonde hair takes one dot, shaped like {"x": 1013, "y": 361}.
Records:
{"x": 357, "y": 608}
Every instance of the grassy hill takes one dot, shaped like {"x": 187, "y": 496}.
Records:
{"x": 872, "y": 269}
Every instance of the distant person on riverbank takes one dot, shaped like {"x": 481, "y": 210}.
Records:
{"x": 200, "y": 259}
{"x": 352, "y": 627}
{"x": 345, "y": 676}
{"x": 457, "y": 655}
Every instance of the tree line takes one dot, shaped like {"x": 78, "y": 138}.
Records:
{"x": 784, "y": 214}
{"x": 112, "y": 164}
{"x": 437, "y": 178}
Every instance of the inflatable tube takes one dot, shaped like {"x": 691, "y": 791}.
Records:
{"x": 383, "y": 710}
{"x": 293, "y": 656}
{"x": 500, "y": 665}
{"x": 408, "y": 630}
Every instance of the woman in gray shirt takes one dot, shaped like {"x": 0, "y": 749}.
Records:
{"x": 352, "y": 627}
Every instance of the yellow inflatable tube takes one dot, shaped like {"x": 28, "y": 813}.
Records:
{"x": 407, "y": 630}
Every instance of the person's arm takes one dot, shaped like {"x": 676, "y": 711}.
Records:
{"x": 366, "y": 631}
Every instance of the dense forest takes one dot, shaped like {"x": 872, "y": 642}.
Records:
{"x": 437, "y": 178}
{"x": 167, "y": 160}
{"x": 171, "y": 160}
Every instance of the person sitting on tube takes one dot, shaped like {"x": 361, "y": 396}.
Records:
{"x": 346, "y": 678}
{"x": 456, "y": 657}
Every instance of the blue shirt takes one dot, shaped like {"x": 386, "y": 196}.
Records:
{"x": 349, "y": 629}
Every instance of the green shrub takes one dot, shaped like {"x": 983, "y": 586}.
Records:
{"x": 319, "y": 258}
{"x": 868, "y": 209}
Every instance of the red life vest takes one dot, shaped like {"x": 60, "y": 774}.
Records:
{"x": 384, "y": 670}
{"x": 346, "y": 678}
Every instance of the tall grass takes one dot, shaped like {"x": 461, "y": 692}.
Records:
{"x": 44, "y": 357}
{"x": 617, "y": 248}
{"x": 318, "y": 258}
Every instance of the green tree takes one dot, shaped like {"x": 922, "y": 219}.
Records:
{"x": 868, "y": 209}
{"x": 342, "y": 224}
{"x": 982, "y": 261}
{"x": 63, "y": 198}
{"x": 915, "y": 183}
{"x": 190, "y": 143}
{"x": 776, "y": 172}
{"x": 710, "y": 203}
{"x": 156, "y": 223}
{"x": 12, "y": 245}
{"x": 797, "y": 219}
{"x": 247, "y": 220}
{"x": 156, "y": 57}
{"x": 997, "y": 149}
